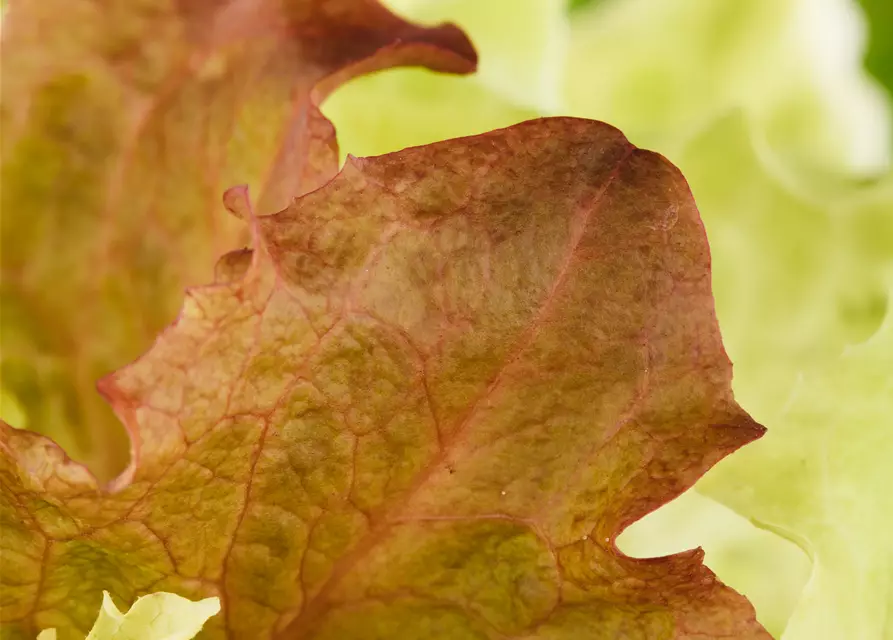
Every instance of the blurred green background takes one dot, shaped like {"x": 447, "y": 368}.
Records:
{"x": 779, "y": 114}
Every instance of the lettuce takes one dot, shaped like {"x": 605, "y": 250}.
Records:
{"x": 766, "y": 109}
{"x": 160, "y": 616}
{"x": 663, "y": 70}
{"x": 822, "y": 481}
{"x": 116, "y": 147}
{"x": 436, "y": 392}
{"x": 769, "y": 569}
{"x": 777, "y": 129}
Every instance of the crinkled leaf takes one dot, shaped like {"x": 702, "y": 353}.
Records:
{"x": 159, "y": 616}
{"x": 446, "y": 383}
{"x": 796, "y": 279}
{"x": 823, "y": 468}
{"x": 661, "y": 70}
{"x": 822, "y": 478}
{"x": 745, "y": 96}
{"x": 122, "y": 124}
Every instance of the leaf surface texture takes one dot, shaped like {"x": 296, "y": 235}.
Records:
{"x": 446, "y": 382}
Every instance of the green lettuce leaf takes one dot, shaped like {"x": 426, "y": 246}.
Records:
{"x": 799, "y": 264}
{"x": 118, "y": 137}
{"x": 662, "y": 70}
{"x": 820, "y": 284}
{"x": 791, "y": 278}
{"x": 521, "y": 48}
{"x": 409, "y": 107}
{"x": 768, "y": 569}
{"x": 574, "y": 5}
{"x": 443, "y": 385}
{"x": 159, "y": 616}
{"x": 822, "y": 478}
{"x": 521, "y": 45}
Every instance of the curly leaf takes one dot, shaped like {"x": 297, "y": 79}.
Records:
{"x": 820, "y": 284}
{"x": 796, "y": 279}
{"x": 118, "y": 137}
{"x": 822, "y": 478}
{"x": 446, "y": 382}
{"x": 792, "y": 273}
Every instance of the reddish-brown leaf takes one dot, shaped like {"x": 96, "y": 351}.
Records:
{"x": 446, "y": 382}
{"x": 123, "y": 121}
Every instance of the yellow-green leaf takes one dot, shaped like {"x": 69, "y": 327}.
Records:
{"x": 158, "y": 616}
{"x": 822, "y": 478}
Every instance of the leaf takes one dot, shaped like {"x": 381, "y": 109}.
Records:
{"x": 767, "y": 569}
{"x": 447, "y": 381}
{"x": 521, "y": 44}
{"x": 159, "y": 616}
{"x": 749, "y": 97}
{"x": 819, "y": 285}
{"x": 822, "y": 478}
{"x": 119, "y": 136}
{"x": 797, "y": 278}
{"x": 575, "y": 5}
{"x": 663, "y": 70}
{"x": 410, "y": 107}
{"x": 792, "y": 272}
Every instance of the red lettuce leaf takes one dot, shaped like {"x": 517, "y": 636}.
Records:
{"x": 123, "y": 121}
{"x": 445, "y": 383}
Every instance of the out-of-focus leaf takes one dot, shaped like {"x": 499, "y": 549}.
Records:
{"x": 662, "y": 70}
{"x": 797, "y": 278}
{"x": 822, "y": 477}
{"x": 574, "y": 5}
{"x": 820, "y": 284}
{"x": 766, "y": 568}
{"x": 522, "y": 49}
{"x": 408, "y": 107}
{"x": 879, "y": 58}
{"x": 447, "y": 381}
{"x": 522, "y": 44}
{"x": 159, "y": 616}
{"x": 11, "y": 411}
{"x": 122, "y": 123}
{"x": 783, "y": 265}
